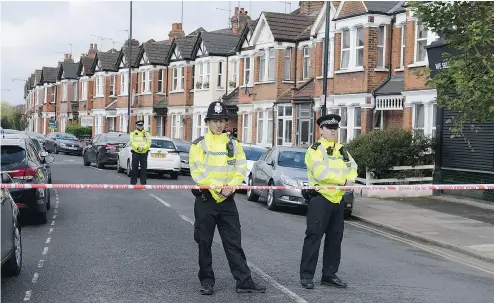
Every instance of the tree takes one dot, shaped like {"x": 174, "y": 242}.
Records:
{"x": 468, "y": 28}
{"x": 11, "y": 118}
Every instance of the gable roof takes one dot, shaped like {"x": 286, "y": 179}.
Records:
{"x": 124, "y": 52}
{"x": 86, "y": 64}
{"x": 185, "y": 45}
{"x": 250, "y": 27}
{"x": 288, "y": 27}
{"x": 49, "y": 74}
{"x": 107, "y": 60}
{"x": 197, "y": 32}
{"x": 69, "y": 70}
{"x": 157, "y": 52}
{"x": 217, "y": 44}
{"x": 37, "y": 78}
{"x": 371, "y": 7}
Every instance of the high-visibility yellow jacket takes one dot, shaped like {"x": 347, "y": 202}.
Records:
{"x": 140, "y": 139}
{"x": 210, "y": 164}
{"x": 326, "y": 170}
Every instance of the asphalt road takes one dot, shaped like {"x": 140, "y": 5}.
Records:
{"x": 137, "y": 246}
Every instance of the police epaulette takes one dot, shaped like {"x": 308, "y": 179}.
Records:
{"x": 198, "y": 140}
{"x": 315, "y": 146}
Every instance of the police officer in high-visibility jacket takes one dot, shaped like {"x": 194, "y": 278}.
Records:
{"x": 140, "y": 142}
{"x": 218, "y": 159}
{"x": 328, "y": 163}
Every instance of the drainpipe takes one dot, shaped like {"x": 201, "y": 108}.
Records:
{"x": 226, "y": 78}
{"x": 295, "y": 68}
{"x": 166, "y": 95}
{"x": 272, "y": 108}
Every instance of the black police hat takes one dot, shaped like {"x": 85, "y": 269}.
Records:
{"x": 330, "y": 121}
{"x": 140, "y": 123}
{"x": 216, "y": 110}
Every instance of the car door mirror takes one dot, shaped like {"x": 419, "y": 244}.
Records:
{"x": 271, "y": 163}
{"x": 6, "y": 178}
{"x": 49, "y": 159}
{"x": 43, "y": 154}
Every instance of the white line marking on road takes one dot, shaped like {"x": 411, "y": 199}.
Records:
{"x": 53, "y": 222}
{"x": 51, "y": 230}
{"x": 40, "y": 263}
{"x": 187, "y": 219}
{"x": 54, "y": 217}
{"x": 35, "y": 277}
{"x": 45, "y": 250}
{"x": 68, "y": 160}
{"x": 48, "y": 240}
{"x": 96, "y": 168}
{"x": 160, "y": 200}
{"x": 423, "y": 247}
{"x": 55, "y": 211}
{"x": 28, "y": 295}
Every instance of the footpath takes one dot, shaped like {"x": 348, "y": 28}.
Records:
{"x": 459, "y": 224}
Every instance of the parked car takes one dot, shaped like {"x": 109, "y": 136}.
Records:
{"x": 252, "y": 154}
{"x": 103, "y": 149}
{"x": 42, "y": 154}
{"x": 183, "y": 148}
{"x": 284, "y": 166}
{"x": 38, "y": 136}
{"x": 11, "y": 232}
{"x": 21, "y": 160}
{"x": 62, "y": 142}
{"x": 163, "y": 158}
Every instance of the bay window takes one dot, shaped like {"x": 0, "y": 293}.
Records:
{"x": 357, "y": 121}
{"x": 45, "y": 98}
{"x": 434, "y": 113}
{"x": 112, "y": 85}
{"x": 161, "y": 80}
{"x": 323, "y": 58}
{"x": 146, "y": 82}
{"x": 345, "y": 49}
{"x": 64, "y": 92}
{"x": 182, "y": 77}
{"x": 247, "y": 71}
{"x": 288, "y": 64}
{"x": 420, "y": 43}
{"x": 220, "y": 75}
{"x": 245, "y": 128}
{"x": 124, "y": 85}
{"x": 175, "y": 79}
{"x": 53, "y": 91}
{"x": 271, "y": 64}
{"x": 306, "y": 63}
{"x": 381, "y": 34}
{"x": 84, "y": 90}
{"x": 403, "y": 39}
{"x": 262, "y": 66}
{"x": 359, "y": 47}
{"x": 343, "y": 130}
{"x": 285, "y": 123}
{"x": 99, "y": 88}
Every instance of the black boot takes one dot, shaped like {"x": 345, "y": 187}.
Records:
{"x": 250, "y": 287}
{"x": 306, "y": 283}
{"x": 207, "y": 289}
{"x": 333, "y": 281}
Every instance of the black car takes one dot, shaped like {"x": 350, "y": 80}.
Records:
{"x": 103, "y": 149}
{"x": 183, "y": 148}
{"x": 21, "y": 160}
{"x": 11, "y": 232}
{"x": 63, "y": 142}
{"x": 42, "y": 154}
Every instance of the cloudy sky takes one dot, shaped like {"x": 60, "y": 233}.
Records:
{"x": 37, "y": 34}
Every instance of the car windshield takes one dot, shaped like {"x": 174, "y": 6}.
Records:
{"x": 160, "y": 143}
{"x": 9, "y": 131}
{"x": 67, "y": 137}
{"x": 295, "y": 159}
{"x": 12, "y": 154}
{"x": 182, "y": 147}
{"x": 252, "y": 153}
{"x": 118, "y": 139}
{"x": 36, "y": 135}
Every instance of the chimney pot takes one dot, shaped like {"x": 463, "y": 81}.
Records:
{"x": 179, "y": 26}
{"x": 236, "y": 10}
{"x": 95, "y": 46}
{"x": 242, "y": 10}
{"x": 91, "y": 46}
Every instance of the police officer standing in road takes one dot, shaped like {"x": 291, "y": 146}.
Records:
{"x": 140, "y": 142}
{"x": 217, "y": 159}
{"x": 328, "y": 163}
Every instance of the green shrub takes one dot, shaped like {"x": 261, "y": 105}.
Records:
{"x": 380, "y": 150}
{"x": 78, "y": 131}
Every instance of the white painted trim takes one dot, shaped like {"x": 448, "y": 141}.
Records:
{"x": 401, "y": 19}
{"x": 255, "y": 35}
{"x": 338, "y": 10}
{"x": 419, "y": 96}
{"x": 321, "y": 18}
{"x": 361, "y": 21}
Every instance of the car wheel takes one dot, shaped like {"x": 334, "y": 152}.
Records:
{"x": 348, "y": 214}
{"x": 48, "y": 200}
{"x": 98, "y": 163}
{"x": 13, "y": 265}
{"x": 251, "y": 196}
{"x": 271, "y": 204}
{"x": 119, "y": 168}
{"x": 84, "y": 159}
{"x": 42, "y": 217}
{"x": 174, "y": 175}
{"x": 56, "y": 149}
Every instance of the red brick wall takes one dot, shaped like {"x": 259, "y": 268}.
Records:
{"x": 352, "y": 8}
{"x": 412, "y": 81}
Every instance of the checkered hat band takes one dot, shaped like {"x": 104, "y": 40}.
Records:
{"x": 329, "y": 122}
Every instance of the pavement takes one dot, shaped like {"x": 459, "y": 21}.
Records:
{"x": 137, "y": 246}
{"x": 466, "y": 227}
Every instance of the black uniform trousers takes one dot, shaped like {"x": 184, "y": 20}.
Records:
{"x": 323, "y": 217}
{"x": 142, "y": 160}
{"x": 209, "y": 214}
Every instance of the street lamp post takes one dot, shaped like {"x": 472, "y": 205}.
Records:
{"x": 129, "y": 60}
{"x": 326, "y": 58}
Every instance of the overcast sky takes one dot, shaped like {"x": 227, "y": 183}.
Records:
{"x": 37, "y": 34}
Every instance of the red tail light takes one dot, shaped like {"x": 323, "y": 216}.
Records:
{"x": 173, "y": 151}
{"x": 24, "y": 173}
{"x": 110, "y": 146}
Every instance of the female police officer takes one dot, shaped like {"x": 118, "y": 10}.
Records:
{"x": 218, "y": 159}
{"x": 328, "y": 163}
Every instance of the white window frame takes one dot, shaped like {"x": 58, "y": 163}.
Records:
{"x": 159, "y": 125}
{"x": 124, "y": 85}
{"x": 305, "y": 62}
{"x": 343, "y": 124}
{"x": 403, "y": 45}
{"x": 84, "y": 90}
{"x": 74, "y": 90}
{"x": 64, "y": 92}
{"x": 345, "y": 50}
{"x": 161, "y": 80}
{"x": 417, "y": 43}
{"x": 235, "y": 70}
{"x": 219, "y": 84}
{"x": 198, "y": 126}
{"x": 206, "y": 70}
{"x": 122, "y": 124}
{"x": 381, "y": 33}
{"x": 271, "y": 56}
{"x": 247, "y": 71}
{"x": 111, "y": 124}
{"x": 45, "y": 98}
{"x": 287, "y": 120}
{"x": 415, "y": 108}
{"x": 433, "y": 119}
{"x": 144, "y": 76}
{"x": 245, "y": 128}
{"x": 357, "y": 129}
{"x": 175, "y": 78}
{"x": 260, "y": 127}
{"x": 262, "y": 66}
{"x": 182, "y": 77}
{"x": 359, "y": 48}
{"x": 53, "y": 96}
{"x": 201, "y": 72}
{"x": 287, "y": 72}
{"x": 99, "y": 86}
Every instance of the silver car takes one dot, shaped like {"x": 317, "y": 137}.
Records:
{"x": 279, "y": 166}
{"x": 11, "y": 232}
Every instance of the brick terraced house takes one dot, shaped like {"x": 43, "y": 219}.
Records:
{"x": 268, "y": 71}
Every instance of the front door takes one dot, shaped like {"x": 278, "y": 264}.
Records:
{"x": 305, "y": 125}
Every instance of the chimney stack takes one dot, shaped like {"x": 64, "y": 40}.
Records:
{"x": 68, "y": 58}
{"x": 308, "y": 8}
{"x": 92, "y": 50}
{"x": 176, "y": 32}
{"x": 241, "y": 15}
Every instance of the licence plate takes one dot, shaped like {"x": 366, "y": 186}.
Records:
{"x": 158, "y": 155}
{"x": 70, "y": 147}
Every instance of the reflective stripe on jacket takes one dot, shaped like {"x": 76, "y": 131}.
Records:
{"x": 140, "y": 139}
{"x": 210, "y": 164}
{"x": 325, "y": 170}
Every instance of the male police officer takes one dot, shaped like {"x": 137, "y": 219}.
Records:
{"x": 218, "y": 159}
{"x": 328, "y": 163}
{"x": 140, "y": 141}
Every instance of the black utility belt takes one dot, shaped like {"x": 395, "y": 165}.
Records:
{"x": 206, "y": 195}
